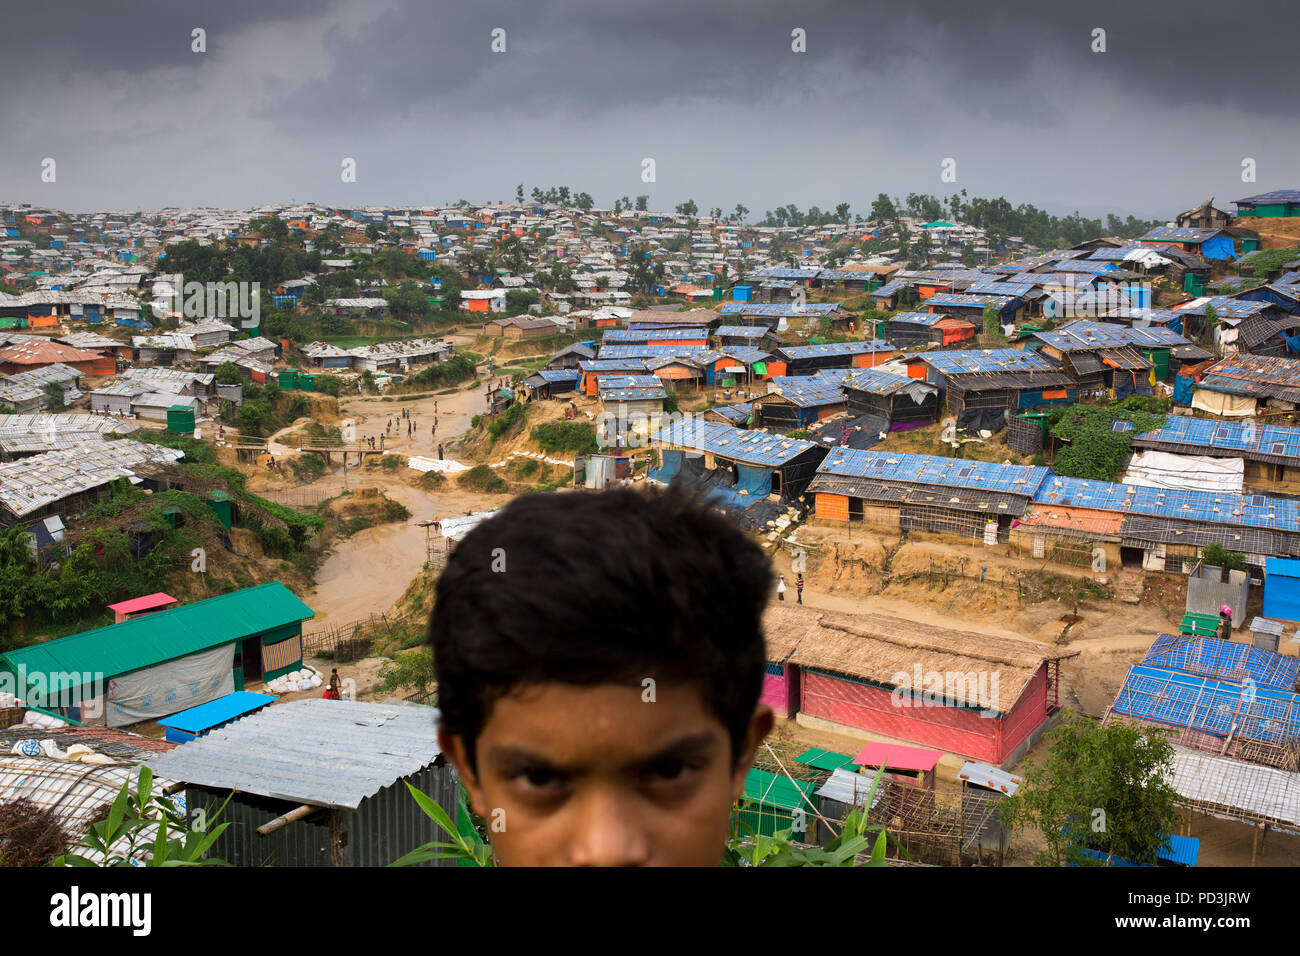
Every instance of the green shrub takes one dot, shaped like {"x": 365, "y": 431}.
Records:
{"x": 484, "y": 479}
{"x": 578, "y": 438}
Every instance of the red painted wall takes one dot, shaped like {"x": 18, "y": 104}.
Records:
{"x": 872, "y": 709}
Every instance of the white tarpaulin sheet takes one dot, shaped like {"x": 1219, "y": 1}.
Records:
{"x": 1161, "y": 469}
{"x": 171, "y": 687}
{"x": 420, "y": 463}
{"x": 1221, "y": 403}
{"x": 1251, "y": 790}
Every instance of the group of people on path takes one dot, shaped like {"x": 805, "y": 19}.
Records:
{"x": 798, "y": 587}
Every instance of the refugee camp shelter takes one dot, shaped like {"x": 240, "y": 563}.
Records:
{"x": 903, "y": 403}
{"x": 152, "y": 666}
{"x": 1220, "y": 697}
{"x": 1236, "y": 386}
{"x": 754, "y": 464}
{"x": 921, "y": 329}
{"x": 1271, "y": 452}
{"x": 318, "y": 782}
{"x": 979, "y": 383}
{"x": 810, "y": 359}
{"x": 975, "y": 500}
{"x": 894, "y": 681}
{"x": 1278, "y": 203}
{"x": 795, "y": 402}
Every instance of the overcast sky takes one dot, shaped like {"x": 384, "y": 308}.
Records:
{"x": 587, "y": 89}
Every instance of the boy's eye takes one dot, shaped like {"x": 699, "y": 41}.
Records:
{"x": 669, "y": 770}
{"x": 539, "y": 778}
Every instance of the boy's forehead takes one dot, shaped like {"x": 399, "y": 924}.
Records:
{"x": 562, "y": 721}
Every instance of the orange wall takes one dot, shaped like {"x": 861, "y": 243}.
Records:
{"x": 832, "y": 506}
{"x": 774, "y": 369}
{"x": 916, "y": 370}
{"x": 479, "y": 305}
{"x": 872, "y": 359}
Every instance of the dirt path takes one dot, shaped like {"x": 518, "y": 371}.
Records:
{"x": 367, "y": 572}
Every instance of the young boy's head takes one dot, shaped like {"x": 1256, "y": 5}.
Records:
{"x": 600, "y": 658}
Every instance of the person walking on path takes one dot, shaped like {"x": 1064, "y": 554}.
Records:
{"x": 381, "y": 442}
{"x": 440, "y": 451}
{"x": 798, "y": 587}
{"x": 780, "y": 589}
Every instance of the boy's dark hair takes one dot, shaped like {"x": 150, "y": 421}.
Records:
{"x": 601, "y": 587}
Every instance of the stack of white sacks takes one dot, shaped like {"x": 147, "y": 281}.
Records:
{"x": 306, "y": 679}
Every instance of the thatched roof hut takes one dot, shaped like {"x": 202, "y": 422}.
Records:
{"x": 878, "y": 648}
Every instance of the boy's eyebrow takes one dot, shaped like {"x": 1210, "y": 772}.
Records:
{"x": 510, "y": 760}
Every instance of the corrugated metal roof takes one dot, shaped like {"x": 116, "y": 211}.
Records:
{"x": 851, "y": 788}
{"x": 325, "y": 753}
{"x": 162, "y": 636}
{"x": 990, "y": 777}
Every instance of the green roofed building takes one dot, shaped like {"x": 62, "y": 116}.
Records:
{"x": 769, "y": 805}
{"x": 827, "y": 760}
{"x": 162, "y": 663}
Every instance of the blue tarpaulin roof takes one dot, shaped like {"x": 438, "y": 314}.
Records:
{"x": 1240, "y": 439}
{"x": 641, "y": 336}
{"x": 834, "y": 348}
{"x": 1282, "y": 589}
{"x": 968, "y": 361}
{"x": 808, "y": 391}
{"x": 736, "y": 444}
{"x": 745, "y": 331}
{"x": 1178, "y": 234}
{"x": 1271, "y": 198}
{"x": 645, "y": 351}
{"x": 787, "y": 310}
{"x": 926, "y": 319}
{"x": 1083, "y": 334}
{"x": 931, "y": 470}
{"x": 956, "y": 299}
{"x": 1212, "y": 657}
{"x": 1208, "y": 705}
{"x": 216, "y": 712}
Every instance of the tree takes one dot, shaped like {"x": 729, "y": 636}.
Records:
{"x": 642, "y": 203}
{"x": 519, "y": 194}
{"x": 583, "y": 201}
{"x": 228, "y": 374}
{"x": 373, "y": 232}
{"x": 741, "y": 212}
{"x": 882, "y": 210}
{"x": 842, "y": 213}
{"x": 54, "y": 397}
{"x": 1103, "y": 788}
{"x": 412, "y": 669}
{"x": 687, "y": 208}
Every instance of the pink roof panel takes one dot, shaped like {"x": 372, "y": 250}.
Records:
{"x": 898, "y": 757}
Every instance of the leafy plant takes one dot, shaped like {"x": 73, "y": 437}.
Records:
{"x": 1101, "y": 788}
{"x": 122, "y": 835}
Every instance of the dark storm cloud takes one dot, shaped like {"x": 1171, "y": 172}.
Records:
{"x": 587, "y": 88}
{"x": 92, "y": 36}
{"x": 596, "y": 55}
